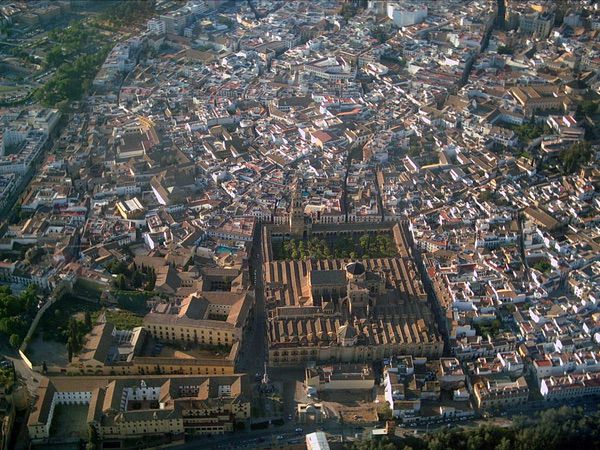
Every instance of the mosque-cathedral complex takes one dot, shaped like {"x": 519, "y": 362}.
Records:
{"x": 339, "y": 310}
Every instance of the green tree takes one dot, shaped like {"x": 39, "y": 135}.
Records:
{"x": 505, "y": 50}
{"x": 70, "y": 81}
{"x": 118, "y": 267}
{"x": 29, "y": 298}
{"x": 55, "y": 56}
{"x": 13, "y": 325}
{"x": 137, "y": 279}
{"x": 70, "y": 349}
{"x": 543, "y": 266}
{"x": 14, "y": 340}
{"x": 151, "y": 280}
{"x": 586, "y": 108}
{"x": 16, "y": 313}
{"x": 575, "y": 157}
{"x": 129, "y": 11}
{"x": 120, "y": 282}
{"x": 302, "y": 250}
{"x": 529, "y": 131}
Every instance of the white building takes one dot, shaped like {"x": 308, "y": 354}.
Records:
{"x": 317, "y": 441}
{"x": 570, "y": 386}
{"x": 156, "y": 26}
{"x": 405, "y": 15}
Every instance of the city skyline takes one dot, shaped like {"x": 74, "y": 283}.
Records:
{"x": 312, "y": 224}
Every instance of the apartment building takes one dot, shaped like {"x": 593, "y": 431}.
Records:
{"x": 500, "y": 392}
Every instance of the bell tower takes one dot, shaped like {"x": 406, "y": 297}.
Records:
{"x": 296, "y": 213}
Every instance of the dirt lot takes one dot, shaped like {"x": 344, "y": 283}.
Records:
{"x": 356, "y": 407}
{"x": 363, "y": 414}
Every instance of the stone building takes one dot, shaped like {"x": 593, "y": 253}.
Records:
{"x": 130, "y": 407}
{"x": 339, "y": 310}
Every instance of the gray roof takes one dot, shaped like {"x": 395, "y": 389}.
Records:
{"x": 327, "y": 277}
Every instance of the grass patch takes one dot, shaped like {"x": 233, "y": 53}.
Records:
{"x": 4, "y": 89}
{"x": 88, "y": 290}
{"x": 528, "y": 131}
{"x": 122, "y": 320}
{"x": 55, "y": 324}
{"x": 133, "y": 300}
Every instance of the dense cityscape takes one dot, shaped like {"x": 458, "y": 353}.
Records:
{"x": 324, "y": 224}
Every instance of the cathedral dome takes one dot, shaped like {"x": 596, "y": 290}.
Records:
{"x": 355, "y": 268}
{"x": 347, "y": 333}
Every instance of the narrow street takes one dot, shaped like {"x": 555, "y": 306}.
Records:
{"x": 522, "y": 244}
{"x": 254, "y": 345}
{"x": 431, "y": 297}
{"x": 379, "y": 197}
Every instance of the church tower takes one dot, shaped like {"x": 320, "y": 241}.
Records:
{"x": 296, "y": 213}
